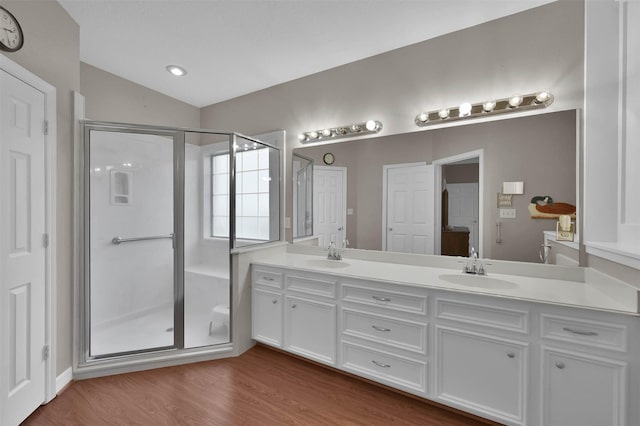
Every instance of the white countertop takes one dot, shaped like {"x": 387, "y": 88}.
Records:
{"x": 609, "y": 296}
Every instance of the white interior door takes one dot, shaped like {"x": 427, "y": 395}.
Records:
{"x": 410, "y": 209}
{"x": 22, "y": 249}
{"x": 463, "y": 208}
{"x": 329, "y": 205}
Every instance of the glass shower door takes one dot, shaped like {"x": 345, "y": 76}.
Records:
{"x": 132, "y": 295}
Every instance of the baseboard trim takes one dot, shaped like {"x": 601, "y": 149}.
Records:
{"x": 64, "y": 379}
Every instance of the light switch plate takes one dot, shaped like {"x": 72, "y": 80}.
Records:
{"x": 287, "y": 222}
{"x": 349, "y": 212}
{"x": 507, "y": 213}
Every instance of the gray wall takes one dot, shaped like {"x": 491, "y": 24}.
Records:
{"x": 539, "y": 150}
{"x": 112, "y": 98}
{"x": 538, "y": 49}
{"x": 51, "y": 51}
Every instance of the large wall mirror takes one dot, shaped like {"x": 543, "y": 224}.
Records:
{"x": 470, "y": 162}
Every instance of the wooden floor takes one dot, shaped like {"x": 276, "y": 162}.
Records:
{"x": 261, "y": 387}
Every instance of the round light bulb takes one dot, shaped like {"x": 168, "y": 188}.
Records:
{"x": 355, "y": 128}
{"x": 424, "y": 117}
{"x": 302, "y": 137}
{"x": 515, "y": 101}
{"x": 542, "y": 97}
{"x": 443, "y": 113}
{"x": 326, "y": 133}
{"x": 371, "y": 125}
{"x": 488, "y": 106}
{"x": 313, "y": 135}
{"x": 465, "y": 109}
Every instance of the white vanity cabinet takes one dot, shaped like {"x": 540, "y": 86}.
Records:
{"x": 310, "y": 316}
{"x": 510, "y": 360}
{"x": 384, "y": 334}
{"x": 295, "y": 311}
{"x": 482, "y": 356}
{"x": 584, "y": 368}
{"x": 266, "y": 306}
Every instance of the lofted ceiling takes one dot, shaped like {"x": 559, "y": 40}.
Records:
{"x": 234, "y": 47}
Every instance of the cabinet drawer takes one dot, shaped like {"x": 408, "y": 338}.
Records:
{"x": 313, "y": 286}
{"x": 393, "y": 300}
{"x": 384, "y": 367}
{"x": 574, "y": 330}
{"x": 397, "y": 333}
{"x": 485, "y": 315}
{"x": 267, "y": 278}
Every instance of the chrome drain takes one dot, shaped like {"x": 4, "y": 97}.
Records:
{"x": 169, "y": 329}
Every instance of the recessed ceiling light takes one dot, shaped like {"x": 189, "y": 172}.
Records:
{"x": 176, "y": 70}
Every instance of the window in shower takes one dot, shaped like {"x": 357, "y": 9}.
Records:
{"x": 256, "y": 194}
{"x": 252, "y": 195}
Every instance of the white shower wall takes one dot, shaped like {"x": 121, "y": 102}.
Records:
{"x": 130, "y": 279}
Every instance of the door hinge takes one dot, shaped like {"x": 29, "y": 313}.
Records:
{"x": 45, "y": 352}
{"x": 45, "y": 240}
{"x": 45, "y": 127}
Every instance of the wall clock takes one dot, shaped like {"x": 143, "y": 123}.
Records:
{"x": 11, "y": 37}
{"x": 328, "y": 158}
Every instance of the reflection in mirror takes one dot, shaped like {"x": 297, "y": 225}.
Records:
{"x": 539, "y": 150}
{"x": 302, "y": 173}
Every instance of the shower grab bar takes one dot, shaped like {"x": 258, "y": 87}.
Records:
{"x": 118, "y": 240}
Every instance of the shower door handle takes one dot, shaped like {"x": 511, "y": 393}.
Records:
{"x": 119, "y": 240}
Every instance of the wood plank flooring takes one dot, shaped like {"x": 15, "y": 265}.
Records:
{"x": 260, "y": 387}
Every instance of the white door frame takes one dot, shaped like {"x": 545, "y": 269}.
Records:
{"x": 385, "y": 172}
{"x": 49, "y": 91}
{"x": 344, "y": 195}
{"x": 479, "y": 153}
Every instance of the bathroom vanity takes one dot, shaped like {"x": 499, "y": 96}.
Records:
{"x": 523, "y": 350}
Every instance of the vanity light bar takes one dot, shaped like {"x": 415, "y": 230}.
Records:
{"x": 359, "y": 129}
{"x": 500, "y": 106}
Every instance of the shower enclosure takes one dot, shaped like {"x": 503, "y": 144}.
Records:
{"x": 162, "y": 210}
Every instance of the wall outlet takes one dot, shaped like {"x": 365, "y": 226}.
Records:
{"x": 507, "y": 213}
{"x": 287, "y": 223}
{"x": 349, "y": 212}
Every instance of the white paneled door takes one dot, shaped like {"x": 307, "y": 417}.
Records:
{"x": 22, "y": 249}
{"x": 329, "y": 205}
{"x": 410, "y": 209}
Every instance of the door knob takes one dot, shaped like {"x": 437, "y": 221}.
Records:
{"x": 390, "y": 229}
{"x": 339, "y": 228}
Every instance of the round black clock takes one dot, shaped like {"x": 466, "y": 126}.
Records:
{"x": 11, "y": 37}
{"x": 328, "y": 158}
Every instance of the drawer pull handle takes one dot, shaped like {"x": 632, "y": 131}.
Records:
{"x": 293, "y": 306}
{"x": 267, "y": 278}
{"x": 511, "y": 354}
{"x": 380, "y": 364}
{"x": 381, "y": 299}
{"x": 375, "y": 327}
{"x": 580, "y": 332}
{"x": 274, "y": 301}
{"x": 560, "y": 365}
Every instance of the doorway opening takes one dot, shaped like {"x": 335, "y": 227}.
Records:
{"x": 459, "y": 204}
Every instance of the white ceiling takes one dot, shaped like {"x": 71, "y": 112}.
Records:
{"x": 234, "y": 47}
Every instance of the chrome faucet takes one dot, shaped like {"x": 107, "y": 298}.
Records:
{"x": 334, "y": 254}
{"x": 474, "y": 266}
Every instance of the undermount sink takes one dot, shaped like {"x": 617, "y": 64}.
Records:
{"x": 479, "y": 281}
{"x": 327, "y": 263}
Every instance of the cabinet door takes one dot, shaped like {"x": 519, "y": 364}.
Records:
{"x": 310, "y": 329}
{"x": 581, "y": 390}
{"x": 267, "y": 317}
{"x": 482, "y": 373}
